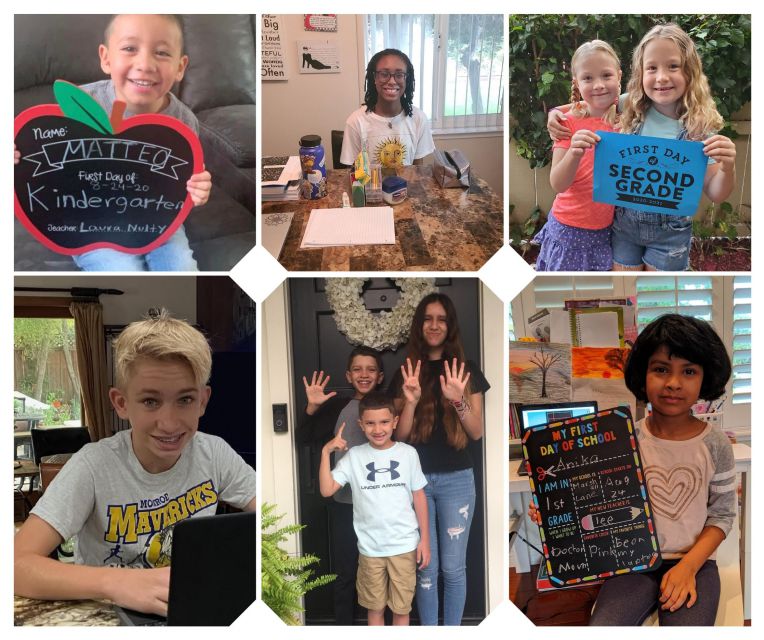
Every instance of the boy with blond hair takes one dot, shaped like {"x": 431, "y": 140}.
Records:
{"x": 122, "y": 495}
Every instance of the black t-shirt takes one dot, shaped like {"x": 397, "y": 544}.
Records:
{"x": 436, "y": 455}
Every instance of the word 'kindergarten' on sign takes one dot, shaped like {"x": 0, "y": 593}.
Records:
{"x": 588, "y": 485}
{"x": 88, "y": 180}
{"x": 649, "y": 174}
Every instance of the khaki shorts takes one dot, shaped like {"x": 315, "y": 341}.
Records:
{"x": 387, "y": 581}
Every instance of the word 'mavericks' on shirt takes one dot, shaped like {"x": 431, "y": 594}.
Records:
{"x": 657, "y": 175}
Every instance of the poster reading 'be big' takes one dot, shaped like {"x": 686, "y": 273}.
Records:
{"x": 588, "y": 485}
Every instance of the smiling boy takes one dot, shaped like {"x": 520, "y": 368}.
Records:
{"x": 389, "y": 509}
{"x": 143, "y": 55}
{"x": 122, "y": 495}
{"x": 324, "y": 414}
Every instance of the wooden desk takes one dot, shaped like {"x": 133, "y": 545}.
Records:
{"x": 435, "y": 229}
{"x": 28, "y": 469}
{"x": 51, "y": 613}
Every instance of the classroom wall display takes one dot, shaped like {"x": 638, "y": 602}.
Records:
{"x": 650, "y": 174}
{"x": 87, "y": 179}
{"x": 588, "y": 485}
{"x": 273, "y": 59}
{"x": 539, "y": 372}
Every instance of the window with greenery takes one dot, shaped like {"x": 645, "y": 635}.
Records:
{"x": 46, "y": 381}
{"x": 458, "y": 65}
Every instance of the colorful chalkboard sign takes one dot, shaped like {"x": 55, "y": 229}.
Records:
{"x": 86, "y": 181}
{"x": 657, "y": 175}
{"x": 588, "y": 485}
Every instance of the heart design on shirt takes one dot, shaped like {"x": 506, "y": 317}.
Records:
{"x": 672, "y": 492}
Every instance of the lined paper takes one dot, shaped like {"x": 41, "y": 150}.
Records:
{"x": 348, "y": 227}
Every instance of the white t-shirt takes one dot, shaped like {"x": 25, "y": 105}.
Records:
{"x": 391, "y": 142}
{"x": 123, "y": 514}
{"x": 383, "y": 482}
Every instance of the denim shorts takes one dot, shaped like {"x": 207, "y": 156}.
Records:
{"x": 657, "y": 240}
{"x": 566, "y": 248}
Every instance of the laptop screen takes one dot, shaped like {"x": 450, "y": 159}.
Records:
{"x": 532, "y": 415}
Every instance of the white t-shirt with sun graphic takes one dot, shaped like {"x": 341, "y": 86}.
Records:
{"x": 391, "y": 142}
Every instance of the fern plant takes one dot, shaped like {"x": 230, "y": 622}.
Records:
{"x": 285, "y": 579}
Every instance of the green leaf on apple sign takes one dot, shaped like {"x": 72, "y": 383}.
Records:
{"x": 79, "y": 105}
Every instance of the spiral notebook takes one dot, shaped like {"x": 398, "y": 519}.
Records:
{"x": 597, "y": 327}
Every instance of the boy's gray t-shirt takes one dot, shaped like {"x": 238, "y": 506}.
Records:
{"x": 354, "y": 436}
{"x": 123, "y": 515}
{"x": 104, "y": 94}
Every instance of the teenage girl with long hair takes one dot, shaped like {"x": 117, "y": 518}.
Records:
{"x": 440, "y": 399}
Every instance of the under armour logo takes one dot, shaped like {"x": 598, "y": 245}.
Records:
{"x": 394, "y": 475}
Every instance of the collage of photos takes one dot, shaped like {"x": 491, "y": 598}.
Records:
{"x": 349, "y": 395}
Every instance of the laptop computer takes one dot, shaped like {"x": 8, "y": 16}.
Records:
{"x": 533, "y": 415}
{"x": 212, "y": 574}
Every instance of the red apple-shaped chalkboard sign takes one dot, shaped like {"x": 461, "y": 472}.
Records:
{"x": 85, "y": 182}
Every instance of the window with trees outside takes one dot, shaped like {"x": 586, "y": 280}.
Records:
{"x": 46, "y": 382}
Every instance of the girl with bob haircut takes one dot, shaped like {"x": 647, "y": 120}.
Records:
{"x": 440, "y": 400}
{"x": 576, "y": 236}
{"x": 689, "y": 470}
{"x": 388, "y": 126}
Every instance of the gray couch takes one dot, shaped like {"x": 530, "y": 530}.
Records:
{"x": 219, "y": 87}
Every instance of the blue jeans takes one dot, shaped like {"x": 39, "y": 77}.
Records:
{"x": 450, "y": 504}
{"x": 627, "y": 600}
{"x": 658, "y": 240}
{"x": 173, "y": 255}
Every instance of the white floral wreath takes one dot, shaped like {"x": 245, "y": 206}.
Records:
{"x": 384, "y": 330}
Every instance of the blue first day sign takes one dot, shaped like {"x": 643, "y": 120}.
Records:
{"x": 658, "y": 175}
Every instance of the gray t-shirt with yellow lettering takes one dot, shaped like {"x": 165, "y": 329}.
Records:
{"x": 123, "y": 515}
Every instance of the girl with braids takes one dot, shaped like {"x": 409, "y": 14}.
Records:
{"x": 576, "y": 236}
{"x": 388, "y": 126}
{"x": 440, "y": 402}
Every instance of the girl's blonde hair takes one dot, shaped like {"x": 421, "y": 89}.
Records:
{"x": 162, "y": 337}
{"x": 580, "y": 108}
{"x": 697, "y": 111}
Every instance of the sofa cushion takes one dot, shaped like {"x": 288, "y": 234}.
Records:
{"x": 221, "y": 61}
{"x": 231, "y": 130}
